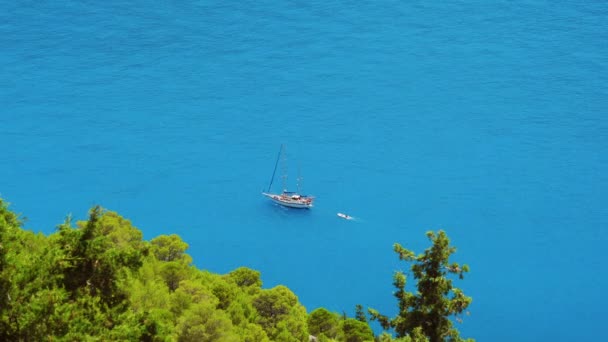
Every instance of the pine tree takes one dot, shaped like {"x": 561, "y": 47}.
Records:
{"x": 436, "y": 299}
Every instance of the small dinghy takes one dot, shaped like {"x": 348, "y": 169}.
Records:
{"x": 344, "y": 216}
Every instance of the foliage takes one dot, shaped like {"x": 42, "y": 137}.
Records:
{"x": 246, "y": 278}
{"x": 322, "y": 323}
{"x": 280, "y": 314}
{"x": 356, "y": 331}
{"x": 359, "y": 314}
{"x": 97, "y": 253}
{"x": 331, "y": 326}
{"x": 428, "y": 311}
{"x": 99, "y": 280}
{"x": 170, "y": 248}
{"x": 415, "y": 336}
{"x": 9, "y": 225}
{"x": 202, "y": 323}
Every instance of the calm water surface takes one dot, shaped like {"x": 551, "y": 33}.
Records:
{"x": 484, "y": 119}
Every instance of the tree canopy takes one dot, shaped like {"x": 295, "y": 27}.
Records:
{"x": 98, "y": 279}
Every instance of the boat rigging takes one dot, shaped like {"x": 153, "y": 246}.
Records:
{"x": 291, "y": 199}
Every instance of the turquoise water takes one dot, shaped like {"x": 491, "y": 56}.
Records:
{"x": 484, "y": 119}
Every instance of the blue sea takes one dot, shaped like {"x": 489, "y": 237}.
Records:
{"x": 487, "y": 119}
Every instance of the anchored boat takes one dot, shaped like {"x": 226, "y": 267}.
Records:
{"x": 291, "y": 199}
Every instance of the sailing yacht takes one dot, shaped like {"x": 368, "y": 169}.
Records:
{"x": 291, "y": 199}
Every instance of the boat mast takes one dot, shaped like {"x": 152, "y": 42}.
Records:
{"x": 284, "y": 167}
{"x": 275, "y": 168}
{"x": 298, "y": 180}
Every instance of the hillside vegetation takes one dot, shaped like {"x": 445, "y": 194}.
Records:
{"x": 98, "y": 280}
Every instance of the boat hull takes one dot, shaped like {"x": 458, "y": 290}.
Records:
{"x": 344, "y": 216}
{"x": 287, "y": 201}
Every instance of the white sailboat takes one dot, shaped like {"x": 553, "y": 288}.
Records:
{"x": 287, "y": 198}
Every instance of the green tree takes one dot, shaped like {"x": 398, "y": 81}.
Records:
{"x": 429, "y": 309}
{"x": 359, "y": 314}
{"x": 226, "y": 292}
{"x": 8, "y": 222}
{"x": 280, "y": 314}
{"x": 170, "y": 248}
{"x": 252, "y": 332}
{"x": 98, "y": 252}
{"x": 146, "y": 289}
{"x": 415, "y": 336}
{"x": 173, "y": 273}
{"x": 322, "y": 323}
{"x": 28, "y": 282}
{"x": 170, "y": 251}
{"x": 356, "y": 331}
{"x": 202, "y": 323}
{"x": 191, "y": 292}
{"x": 246, "y": 278}
{"x": 98, "y": 280}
